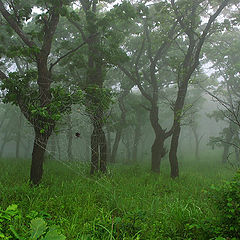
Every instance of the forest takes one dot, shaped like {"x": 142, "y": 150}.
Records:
{"x": 119, "y": 120}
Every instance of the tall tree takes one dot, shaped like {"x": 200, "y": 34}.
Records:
{"x": 103, "y": 40}
{"x": 148, "y": 48}
{"x": 187, "y": 14}
{"x": 40, "y": 104}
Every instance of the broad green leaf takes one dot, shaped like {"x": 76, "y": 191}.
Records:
{"x": 12, "y": 207}
{"x": 53, "y": 234}
{"x": 38, "y": 228}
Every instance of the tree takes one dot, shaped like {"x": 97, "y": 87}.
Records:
{"x": 222, "y": 53}
{"x": 103, "y": 50}
{"x": 148, "y": 48}
{"x": 187, "y": 14}
{"x": 41, "y": 105}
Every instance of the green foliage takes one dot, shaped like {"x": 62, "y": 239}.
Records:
{"x": 97, "y": 98}
{"x": 7, "y": 218}
{"x": 22, "y": 89}
{"x": 39, "y": 230}
{"x": 227, "y": 198}
{"x": 38, "y": 227}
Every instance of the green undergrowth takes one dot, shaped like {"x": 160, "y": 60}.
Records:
{"x": 127, "y": 203}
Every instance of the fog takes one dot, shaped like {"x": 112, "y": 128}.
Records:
{"x": 119, "y": 120}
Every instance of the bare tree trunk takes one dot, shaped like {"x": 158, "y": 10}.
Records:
{"x": 158, "y": 149}
{"x": 109, "y": 147}
{"x": 116, "y": 144}
{"x": 39, "y": 149}
{"x": 137, "y": 137}
{"x": 197, "y": 142}
{"x": 94, "y": 149}
{"x": 127, "y": 144}
{"x": 173, "y": 152}
{"x": 103, "y": 151}
{"x": 178, "y": 109}
{"x": 226, "y": 146}
{"x": 2, "y": 148}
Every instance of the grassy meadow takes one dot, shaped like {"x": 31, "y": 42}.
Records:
{"x": 127, "y": 203}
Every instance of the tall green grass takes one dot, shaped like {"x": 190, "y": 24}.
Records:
{"x": 127, "y": 203}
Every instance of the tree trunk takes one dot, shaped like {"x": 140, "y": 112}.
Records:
{"x": 94, "y": 150}
{"x": 197, "y": 142}
{"x": 173, "y": 152}
{"x": 2, "y": 148}
{"x": 158, "y": 150}
{"x": 39, "y": 148}
{"x": 137, "y": 136}
{"x": 109, "y": 148}
{"x": 178, "y": 109}
{"x": 99, "y": 149}
{"x": 226, "y": 146}
{"x": 103, "y": 151}
{"x": 116, "y": 144}
{"x": 237, "y": 155}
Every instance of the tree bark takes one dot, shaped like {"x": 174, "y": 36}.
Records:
{"x": 227, "y": 144}
{"x": 109, "y": 147}
{"x": 116, "y": 144}
{"x": 99, "y": 150}
{"x": 197, "y": 142}
{"x": 158, "y": 151}
{"x": 94, "y": 150}
{"x": 173, "y": 152}
{"x": 137, "y": 137}
{"x": 39, "y": 148}
{"x": 103, "y": 151}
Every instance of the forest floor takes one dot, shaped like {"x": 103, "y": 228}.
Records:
{"x": 128, "y": 203}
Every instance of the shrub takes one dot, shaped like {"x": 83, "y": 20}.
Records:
{"x": 227, "y": 198}
{"x": 11, "y": 218}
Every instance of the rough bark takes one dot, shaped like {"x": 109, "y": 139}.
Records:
{"x": 39, "y": 148}
{"x": 158, "y": 151}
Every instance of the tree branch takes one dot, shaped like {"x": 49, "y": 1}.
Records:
{"x": 15, "y": 26}
{"x": 65, "y": 55}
